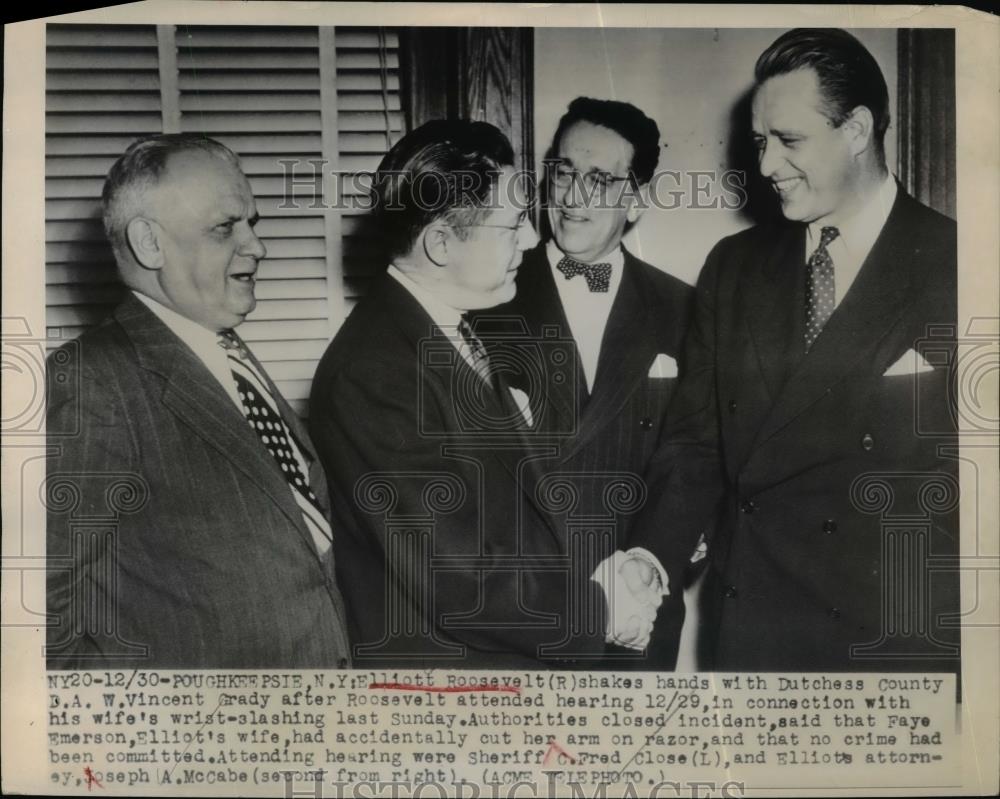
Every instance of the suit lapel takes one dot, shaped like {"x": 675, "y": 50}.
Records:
{"x": 194, "y": 395}
{"x": 871, "y": 308}
{"x": 557, "y": 406}
{"x": 774, "y": 295}
{"x": 627, "y": 350}
{"x": 416, "y": 324}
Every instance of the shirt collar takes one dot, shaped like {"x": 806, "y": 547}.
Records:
{"x": 198, "y": 338}
{"x": 858, "y": 232}
{"x": 443, "y": 315}
{"x": 616, "y": 257}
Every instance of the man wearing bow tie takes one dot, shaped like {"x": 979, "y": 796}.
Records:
{"x": 813, "y": 418}
{"x": 187, "y": 514}
{"x": 625, "y": 318}
{"x": 449, "y": 558}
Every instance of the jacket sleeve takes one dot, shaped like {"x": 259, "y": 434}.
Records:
{"x": 90, "y": 477}
{"x": 392, "y": 473}
{"x": 685, "y": 477}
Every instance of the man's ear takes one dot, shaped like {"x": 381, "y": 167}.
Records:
{"x": 143, "y": 237}
{"x": 859, "y": 127}
{"x": 436, "y": 238}
{"x": 638, "y": 201}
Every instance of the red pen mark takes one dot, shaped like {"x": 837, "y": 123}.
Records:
{"x": 88, "y": 775}
{"x": 554, "y": 747}
{"x": 440, "y": 689}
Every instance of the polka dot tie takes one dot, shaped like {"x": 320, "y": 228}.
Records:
{"x": 598, "y": 275}
{"x": 264, "y": 418}
{"x": 820, "y": 285}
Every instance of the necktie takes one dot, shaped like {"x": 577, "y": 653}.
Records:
{"x": 598, "y": 275}
{"x": 820, "y": 285}
{"x": 477, "y": 351}
{"x": 262, "y": 414}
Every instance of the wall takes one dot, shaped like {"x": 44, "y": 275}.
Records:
{"x": 689, "y": 81}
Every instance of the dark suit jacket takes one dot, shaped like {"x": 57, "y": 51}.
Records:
{"x": 445, "y": 559}
{"x": 610, "y": 435}
{"x": 167, "y": 515}
{"x": 828, "y": 477}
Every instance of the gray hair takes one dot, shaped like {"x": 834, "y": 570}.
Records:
{"x": 140, "y": 169}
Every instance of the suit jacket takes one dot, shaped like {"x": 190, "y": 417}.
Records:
{"x": 610, "y": 435}
{"x": 831, "y": 481}
{"x": 446, "y": 560}
{"x": 173, "y": 538}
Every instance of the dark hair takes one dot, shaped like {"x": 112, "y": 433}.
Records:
{"x": 139, "y": 169}
{"x": 443, "y": 169}
{"x": 624, "y": 119}
{"x": 848, "y": 75}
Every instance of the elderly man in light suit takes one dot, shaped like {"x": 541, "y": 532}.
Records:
{"x": 221, "y": 555}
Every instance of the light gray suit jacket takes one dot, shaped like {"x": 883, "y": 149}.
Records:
{"x": 173, "y": 537}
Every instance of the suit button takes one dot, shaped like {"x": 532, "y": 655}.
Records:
{"x": 748, "y": 506}
{"x": 646, "y": 423}
{"x": 342, "y": 663}
{"x": 730, "y": 592}
{"x": 867, "y": 442}
{"x": 732, "y": 406}
{"x": 833, "y": 613}
{"x": 829, "y": 526}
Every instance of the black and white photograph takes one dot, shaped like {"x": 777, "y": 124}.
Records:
{"x": 632, "y": 360}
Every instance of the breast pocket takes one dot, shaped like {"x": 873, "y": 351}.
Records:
{"x": 912, "y": 412}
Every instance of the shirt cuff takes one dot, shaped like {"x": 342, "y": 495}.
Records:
{"x": 653, "y": 561}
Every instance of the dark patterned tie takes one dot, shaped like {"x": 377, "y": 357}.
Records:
{"x": 477, "y": 351}
{"x": 598, "y": 275}
{"x": 262, "y": 414}
{"x": 820, "y": 287}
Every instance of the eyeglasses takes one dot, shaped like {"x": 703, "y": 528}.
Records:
{"x": 562, "y": 175}
{"x": 522, "y": 220}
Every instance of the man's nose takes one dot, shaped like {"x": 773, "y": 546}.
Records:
{"x": 769, "y": 159}
{"x": 572, "y": 194}
{"x": 252, "y": 246}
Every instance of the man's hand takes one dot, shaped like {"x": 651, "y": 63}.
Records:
{"x": 632, "y": 588}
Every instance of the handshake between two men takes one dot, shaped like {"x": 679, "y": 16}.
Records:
{"x": 634, "y": 585}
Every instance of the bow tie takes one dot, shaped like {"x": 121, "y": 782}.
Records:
{"x": 598, "y": 275}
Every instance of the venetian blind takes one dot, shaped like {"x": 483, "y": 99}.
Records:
{"x": 326, "y": 99}
{"x": 102, "y": 92}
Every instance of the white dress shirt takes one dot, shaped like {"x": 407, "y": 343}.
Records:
{"x": 857, "y": 237}
{"x": 586, "y": 311}
{"x": 442, "y": 314}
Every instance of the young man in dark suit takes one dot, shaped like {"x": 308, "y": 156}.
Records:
{"x": 625, "y": 318}
{"x": 813, "y": 416}
{"x": 187, "y": 514}
{"x": 448, "y": 556}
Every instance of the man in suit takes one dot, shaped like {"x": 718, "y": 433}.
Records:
{"x": 813, "y": 419}
{"x": 187, "y": 514}
{"x": 446, "y": 558}
{"x": 625, "y": 318}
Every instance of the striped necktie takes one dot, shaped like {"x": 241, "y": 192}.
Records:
{"x": 265, "y": 419}
{"x": 477, "y": 352}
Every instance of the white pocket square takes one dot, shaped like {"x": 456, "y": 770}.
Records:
{"x": 911, "y": 363}
{"x": 523, "y": 405}
{"x": 663, "y": 366}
